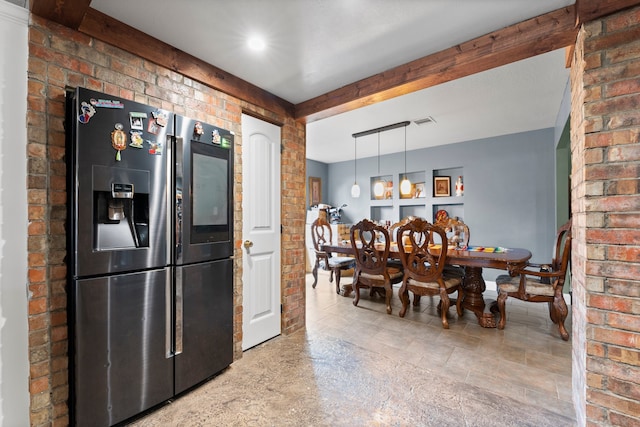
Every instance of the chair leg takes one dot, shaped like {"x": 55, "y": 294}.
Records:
{"x": 502, "y": 299}
{"x": 331, "y": 276}
{"x": 552, "y": 313}
{"x": 446, "y": 302}
{"x": 387, "y": 294}
{"x": 338, "y": 276}
{"x": 404, "y": 298}
{"x": 459, "y": 308}
{"x": 416, "y": 300}
{"x": 561, "y": 311}
{"x": 315, "y": 275}
{"x": 356, "y": 289}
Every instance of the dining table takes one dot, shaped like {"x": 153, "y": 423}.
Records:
{"x": 473, "y": 259}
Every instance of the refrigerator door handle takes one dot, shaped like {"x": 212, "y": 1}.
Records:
{"x": 179, "y": 182}
{"x": 171, "y": 197}
{"x": 168, "y": 297}
{"x": 179, "y": 311}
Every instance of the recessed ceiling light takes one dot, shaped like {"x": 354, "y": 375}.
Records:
{"x": 256, "y": 43}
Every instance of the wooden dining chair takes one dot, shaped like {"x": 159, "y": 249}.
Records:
{"x": 541, "y": 283}
{"x": 322, "y": 235}
{"x": 424, "y": 267}
{"x": 394, "y": 262}
{"x": 457, "y": 233}
{"x": 370, "y": 243}
{"x": 403, "y": 221}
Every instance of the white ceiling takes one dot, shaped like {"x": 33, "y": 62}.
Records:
{"x": 315, "y": 46}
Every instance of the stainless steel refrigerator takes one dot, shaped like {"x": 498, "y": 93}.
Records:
{"x": 150, "y": 226}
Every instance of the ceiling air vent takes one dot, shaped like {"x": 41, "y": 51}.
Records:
{"x": 425, "y": 121}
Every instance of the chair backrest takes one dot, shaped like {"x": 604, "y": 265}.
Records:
{"x": 400, "y": 223}
{"x": 562, "y": 253}
{"x": 370, "y": 243}
{"x": 457, "y": 232}
{"x": 420, "y": 260}
{"x": 321, "y": 233}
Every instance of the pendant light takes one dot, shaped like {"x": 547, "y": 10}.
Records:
{"x": 405, "y": 185}
{"x": 355, "y": 188}
{"x": 378, "y": 187}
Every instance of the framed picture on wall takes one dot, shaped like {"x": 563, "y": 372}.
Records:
{"x": 315, "y": 191}
{"x": 441, "y": 186}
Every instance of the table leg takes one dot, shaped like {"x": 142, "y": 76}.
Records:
{"x": 473, "y": 285}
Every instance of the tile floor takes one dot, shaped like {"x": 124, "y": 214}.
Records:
{"x": 358, "y": 366}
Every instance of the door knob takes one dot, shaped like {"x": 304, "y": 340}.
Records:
{"x": 248, "y": 244}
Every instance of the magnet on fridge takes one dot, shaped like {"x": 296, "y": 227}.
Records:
{"x": 118, "y": 139}
{"x": 198, "y": 130}
{"x": 215, "y": 137}
{"x": 155, "y": 148}
{"x": 153, "y": 127}
{"x": 136, "y": 120}
{"x": 106, "y": 103}
{"x": 160, "y": 117}
{"x": 136, "y": 139}
{"x": 86, "y": 112}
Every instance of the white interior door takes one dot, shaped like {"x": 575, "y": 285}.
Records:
{"x": 260, "y": 231}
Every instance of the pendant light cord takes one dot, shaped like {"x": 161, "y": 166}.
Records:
{"x": 405, "y": 152}
{"x": 379, "y": 155}
{"x": 355, "y": 162}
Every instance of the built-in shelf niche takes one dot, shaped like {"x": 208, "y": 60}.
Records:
{"x": 453, "y": 210}
{"x": 420, "y": 203}
{"x": 413, "y": 210}
{"x": 382, "y": 213}
{"x": 418, "y": 185}
{"x": 387, "y": 182}
{"x": 454, "y": 205}
{"x": 452, "y": 174}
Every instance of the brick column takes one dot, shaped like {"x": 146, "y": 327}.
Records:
{"x": 606, "y": 209}
{"x": 293, "y": 220}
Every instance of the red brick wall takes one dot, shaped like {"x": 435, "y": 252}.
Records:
{"x": 293, "y": 248}
{"x": 60, "y": 58}
{"x": 606, "y": 204}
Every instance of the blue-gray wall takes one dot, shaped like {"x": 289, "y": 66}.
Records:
{"x": 509, "y": 182}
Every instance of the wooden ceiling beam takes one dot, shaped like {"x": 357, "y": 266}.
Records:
{"x": 588, "y": 10}
{"x": 69, "y": 13}
{"x": 535, "y": 36}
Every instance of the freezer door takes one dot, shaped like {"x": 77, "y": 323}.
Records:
{"x": 117, "y": 184}
{"x": 204, "y": 321}
{"x": 203, "y": 192}
{"x": 120, "y": 346}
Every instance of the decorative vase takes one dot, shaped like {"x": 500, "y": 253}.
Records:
{"x": 459, "y": 187}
